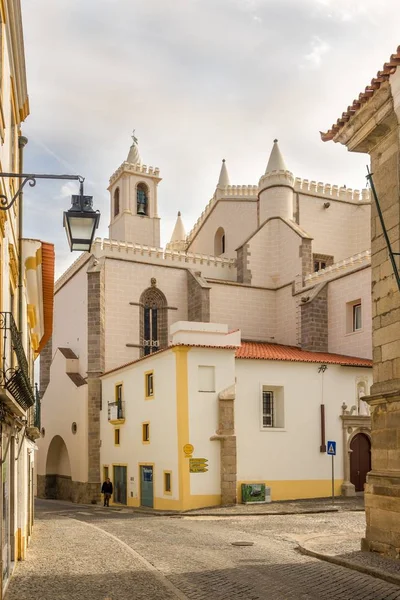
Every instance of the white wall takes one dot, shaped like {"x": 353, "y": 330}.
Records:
{"x": 70, "y": 318}
{"x": 62, "y": 404}
{"x": 160, "y": 412}
{"x": 204, "y": 414}
{"x": 124, "y": 283}
{"x": 294, "y": 452}
{"x": 341, "y": 292}
{"x": 251, "y": 310}
{"x": 239, "y": 220}
{"x": 341, "y": 230}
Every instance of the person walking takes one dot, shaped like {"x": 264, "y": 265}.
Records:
{"x": 107, "y": 490}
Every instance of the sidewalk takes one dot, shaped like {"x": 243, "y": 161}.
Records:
{"x": 344, "y": 550}
{"x": 289, "y": 507}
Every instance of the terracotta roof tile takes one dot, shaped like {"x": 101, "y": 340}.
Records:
{"x": 388, "y": 69}
{"x": 67, "y": 352}
{"x": 48, "y": 260}
{"x": 261, "y": 351}
{"x": 77, "y": 379}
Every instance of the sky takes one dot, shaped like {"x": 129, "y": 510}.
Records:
{"x": 199, "y": 81}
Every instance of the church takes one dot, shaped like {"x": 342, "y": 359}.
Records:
{"x": 241, "y": 340}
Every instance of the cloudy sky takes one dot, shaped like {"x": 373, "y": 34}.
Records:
{"x": 200, "y": 80}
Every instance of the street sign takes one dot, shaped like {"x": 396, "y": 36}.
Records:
{"x": 331, "y": 448}
{"x": 198, "y": 465}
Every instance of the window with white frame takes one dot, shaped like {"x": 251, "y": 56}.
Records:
{"x": 272, "y": 407}
{"x": 353, "y": 316}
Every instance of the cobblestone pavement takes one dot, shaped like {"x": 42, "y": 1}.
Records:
{"x": 89, "y": 553}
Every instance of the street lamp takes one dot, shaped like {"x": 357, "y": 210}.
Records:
{"x": 80, "y": 221}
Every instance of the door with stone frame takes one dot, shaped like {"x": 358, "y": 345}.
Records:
{"x": 360, "y": 460}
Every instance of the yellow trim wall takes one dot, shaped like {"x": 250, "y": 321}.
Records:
{"x": 297, "y": 489}
{"x": 182, "y": 412}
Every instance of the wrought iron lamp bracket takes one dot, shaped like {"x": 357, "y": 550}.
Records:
{"x": 6, "y": 204}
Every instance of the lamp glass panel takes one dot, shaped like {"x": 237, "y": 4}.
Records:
{"x": 81, "y": 228}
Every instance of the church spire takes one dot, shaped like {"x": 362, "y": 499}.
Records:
{"x": 178, "y": 237}
{"x": 276, "y": 161}
{"x": 133, "y": 155}
{"x": 223, "y": 181}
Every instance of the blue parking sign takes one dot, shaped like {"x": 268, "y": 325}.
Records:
{"x": 331, "y": 448}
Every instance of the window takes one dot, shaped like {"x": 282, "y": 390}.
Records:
{"x": 153, "y": 320}
{"x": 167, "y": 482}
{"x": 206, "y": 377}
{"x": 116, "y": 436}
{"x": 142, "y": 199}
{"x": 319, "y": 265}
{"x": 272, "y": 409}
{"x": 105, "y": 472}
{"x": 149, "y": 384}
{"x": 353, "y": 316}
{"x": 116, "y": 202}
{"x": 219, "y": 242}
{"x": 357, "y": 323}
{"x": 146, "y": 433}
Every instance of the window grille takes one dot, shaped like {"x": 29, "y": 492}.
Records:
{"x": 268, "y": 409}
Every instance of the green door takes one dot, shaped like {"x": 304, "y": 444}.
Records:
{"x": 119, "y": 485}
{"x": 146, "y": 486}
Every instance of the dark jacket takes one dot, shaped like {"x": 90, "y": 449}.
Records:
{"x": 107, "y": 488}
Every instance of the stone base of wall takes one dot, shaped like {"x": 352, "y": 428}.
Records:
{"x": 61, "y": 487}
{"x": 382, "y": 510}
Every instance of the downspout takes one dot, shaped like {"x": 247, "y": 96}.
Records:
{"x": 22, "y": 141}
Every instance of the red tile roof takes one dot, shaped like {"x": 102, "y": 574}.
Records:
{"x": 388, "y": 69}
{"x": 261, "y": 351}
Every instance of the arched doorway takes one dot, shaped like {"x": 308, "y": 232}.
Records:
{"x": 360, "y": 460}
{"x": 58, "y": 471}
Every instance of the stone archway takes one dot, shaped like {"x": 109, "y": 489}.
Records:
{"x": 360, "y": 460}
{"x": 58, "y": 471}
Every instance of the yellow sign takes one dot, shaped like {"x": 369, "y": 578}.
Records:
{"x": 188, "y": 450}
{"x": 198, "y": 465}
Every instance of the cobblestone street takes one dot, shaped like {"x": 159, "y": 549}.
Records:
{"x": 89, "y": 553}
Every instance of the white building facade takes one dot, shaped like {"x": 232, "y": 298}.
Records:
{"x": 285, "y": 261}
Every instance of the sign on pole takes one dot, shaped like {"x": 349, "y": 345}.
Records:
{"x": 331, "y": 450}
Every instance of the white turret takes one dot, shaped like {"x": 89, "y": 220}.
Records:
{"x": 133, "y": 191}
{"x": 223, "y": 180}
{"x": 178, "y": 237}
{"x": 275, "y": 189}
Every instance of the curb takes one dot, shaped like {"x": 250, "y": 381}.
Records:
{"x": 394, "y": 579}
{"x": 262, "y": 514}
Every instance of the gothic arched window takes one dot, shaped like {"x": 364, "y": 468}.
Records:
{"x": 219, "y": 242}
{"x": 142, "y": 199}
{"x": 116, "y": 202}
{"x": 153, "y": 320}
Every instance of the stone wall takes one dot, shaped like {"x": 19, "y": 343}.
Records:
{"x": 46, "y": 356}
{"x": 227, "y": 437}
{"x": 60, "y": 487}
{"x": 198, "y": 298}
{"x": 314, "y": 321}
{"x": 96, "y": 352}
{"x": 243, "y": 271}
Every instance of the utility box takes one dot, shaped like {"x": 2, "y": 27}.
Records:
{"x": 255, "y": 493}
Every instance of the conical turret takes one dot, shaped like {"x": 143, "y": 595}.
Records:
{"x": 275, "y": 188}
{"x": 223, "y": 180}
{"x": 276, "y": 161}
{"x": 178, "y": 237}
{"x": 133, "y": 155}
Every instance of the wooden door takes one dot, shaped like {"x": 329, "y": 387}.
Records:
{"x": 360, "y": 460}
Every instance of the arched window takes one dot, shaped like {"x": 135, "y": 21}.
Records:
{"x": 219, "y": 242}
{"x": 142, "y": 199}
{"x": 153, "y": 320}
{"x": 116, "y": 202}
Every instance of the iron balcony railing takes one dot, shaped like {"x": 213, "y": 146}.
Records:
{"x": 116, "y": 410}
{"x": 14, "y": 377}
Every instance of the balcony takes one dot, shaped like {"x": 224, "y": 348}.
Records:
{"x": 34, "y": 420}
{"x": 14, "y": 370}
{"x": 116, "y": 413}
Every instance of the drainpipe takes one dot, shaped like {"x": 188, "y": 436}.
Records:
{"x": 22, "y": 141}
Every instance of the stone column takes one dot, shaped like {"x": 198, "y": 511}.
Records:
{"x": 226, "y": 435}
{"x": 96, "y": 360}
{"x": 198, "y": 297}
{"x": 314, "y": 319}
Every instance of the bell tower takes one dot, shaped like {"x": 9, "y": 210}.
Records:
{"x": 133, "y": 201}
